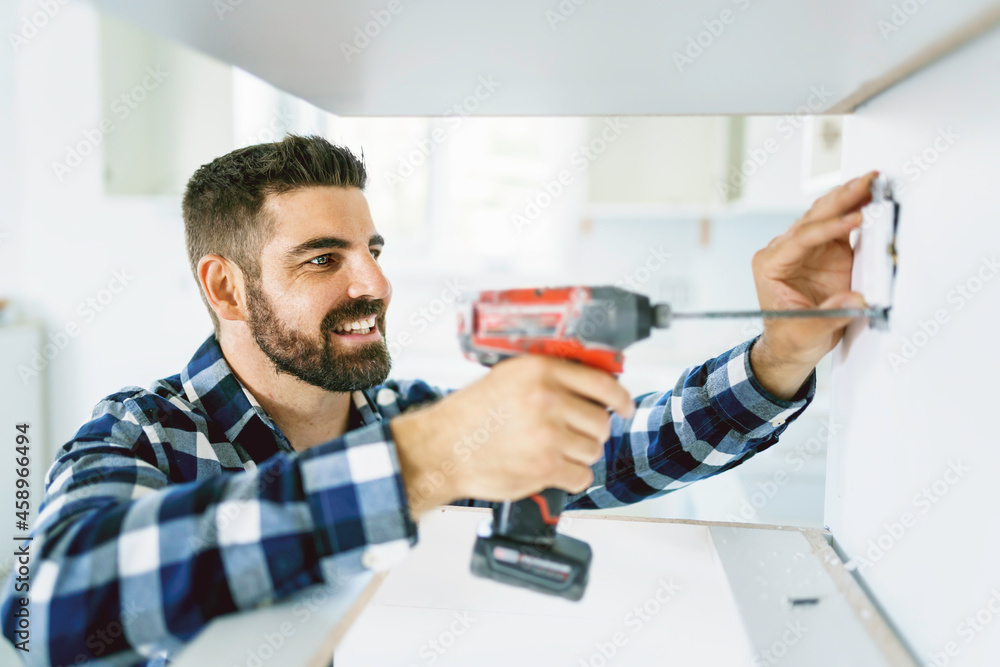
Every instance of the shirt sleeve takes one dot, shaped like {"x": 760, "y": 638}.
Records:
{"x": 127, "y": 566}
{"x": 716, "y": 417}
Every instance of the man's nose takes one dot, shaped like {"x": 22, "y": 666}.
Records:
{"x": 367, "y": 280}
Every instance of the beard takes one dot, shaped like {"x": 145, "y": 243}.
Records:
{"x": 321, "y": 361}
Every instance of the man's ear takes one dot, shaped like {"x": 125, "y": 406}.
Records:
{"x": 222, "y": 282}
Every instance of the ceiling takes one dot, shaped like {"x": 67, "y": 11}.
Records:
{"x": 570, "y": 57}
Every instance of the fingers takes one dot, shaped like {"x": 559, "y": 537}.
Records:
{"x": 573, "y": 477}
{"x": 578, "y": 448}
{"x": 843, "y": 199}
{"x": 836, "y": 302}
{"x": 595, "y": 385}
{"x": 586, "y": 418}
{"x": 802, "y": 238}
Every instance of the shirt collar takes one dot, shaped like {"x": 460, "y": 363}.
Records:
{"x": 210, "y": 383}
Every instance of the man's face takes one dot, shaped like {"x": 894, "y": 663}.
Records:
{"x": 320, "y": 288}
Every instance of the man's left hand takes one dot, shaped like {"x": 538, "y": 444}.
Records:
{"x": 809, "y": 266}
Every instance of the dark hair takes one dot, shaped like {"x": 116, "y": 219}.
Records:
{"x": 224, "y": 199}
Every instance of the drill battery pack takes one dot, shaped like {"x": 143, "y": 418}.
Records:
{"x": 559, "y": 567}
{"x": 520, "y": 547}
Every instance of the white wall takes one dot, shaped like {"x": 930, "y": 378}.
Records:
{"x": 925, "y": 421}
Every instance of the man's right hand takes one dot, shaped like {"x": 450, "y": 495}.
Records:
{"x": 532, "y": 423}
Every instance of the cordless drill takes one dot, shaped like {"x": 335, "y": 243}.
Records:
{"x": 589, "y": 325}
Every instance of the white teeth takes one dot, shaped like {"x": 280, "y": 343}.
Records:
{"x": 361, "y": 326}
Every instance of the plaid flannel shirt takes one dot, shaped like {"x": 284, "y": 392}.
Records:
{"x": 185, "y": 502}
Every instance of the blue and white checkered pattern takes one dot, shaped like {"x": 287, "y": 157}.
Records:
{"x": 182, "y": 503}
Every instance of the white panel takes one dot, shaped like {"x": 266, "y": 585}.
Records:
{"x": 911, "y": 492}
{"x": 659, "y": 593}
{"x": 422, "y": 599}
{"x": 560, "y": 58}
{"x": 794, "y": 605}
{"x": 295, "y": 631}
{"x": 171, "y": 111}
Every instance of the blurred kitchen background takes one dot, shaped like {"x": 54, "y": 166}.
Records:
{"x": 102, "y": 125}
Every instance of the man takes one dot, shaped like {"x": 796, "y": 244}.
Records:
{"x": 280, "y": 457}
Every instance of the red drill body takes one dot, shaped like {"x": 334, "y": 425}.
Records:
{"x": 591, "y": 325}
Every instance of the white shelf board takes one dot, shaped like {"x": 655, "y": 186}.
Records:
{"x": 730, "y": 581}
{"x": 607, "y": 58}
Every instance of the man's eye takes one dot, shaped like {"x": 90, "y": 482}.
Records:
{"x": 376, "y": 253}
{"x": 322, "y": 260}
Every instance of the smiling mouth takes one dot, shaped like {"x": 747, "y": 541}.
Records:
{"x": 357, "y": 327}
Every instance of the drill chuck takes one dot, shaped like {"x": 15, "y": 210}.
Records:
{"x": 663, "y": 316}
